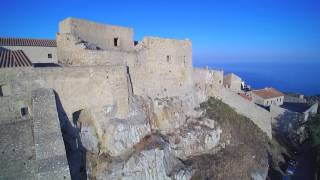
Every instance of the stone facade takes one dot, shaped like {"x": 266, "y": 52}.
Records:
{"x": 101, "y": 35}
{"x": 83, "y": 42}
{"x": 74, "y": 86}
{"x": 207, "y": 83}
{"x": 167, "y": 62}
{"x": 232, "y": 82}
{"x": 50, "y": 152}
{"x": 294, "y": 99}
{"x": 31, "y": 143}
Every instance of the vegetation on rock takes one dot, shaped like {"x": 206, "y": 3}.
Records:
{"x": 245, "y": 152}
{"x": 314, "y": 130}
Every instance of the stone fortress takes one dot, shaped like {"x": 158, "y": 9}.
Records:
{"x": 116, "y": 91}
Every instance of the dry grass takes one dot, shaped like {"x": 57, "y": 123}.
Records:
{"x": 246, "y": 153}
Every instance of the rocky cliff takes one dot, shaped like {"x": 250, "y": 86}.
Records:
{"x": 216, "y": 143}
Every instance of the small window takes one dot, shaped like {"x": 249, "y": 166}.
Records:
{"x": 5, "y": 90}
{"x": 50, "y": 56}
{"x": 168, "y": 58}
{"x": 24, "y": 111}
{"x": 116, "y": 42}
{"x": 1, "y": 93}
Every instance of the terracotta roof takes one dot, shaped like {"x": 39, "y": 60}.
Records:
{"x": 27, "y": 42}
{"x": 268, "y": 93}
{"x": 17, "y": 58}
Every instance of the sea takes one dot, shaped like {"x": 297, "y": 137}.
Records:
{"x": 298, "y": 77}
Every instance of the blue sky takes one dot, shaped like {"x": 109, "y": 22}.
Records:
{"x": 221, "y": 30}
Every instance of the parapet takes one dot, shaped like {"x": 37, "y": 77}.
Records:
{"x": 104, "y": 36}
{"x": 50, "y": 151}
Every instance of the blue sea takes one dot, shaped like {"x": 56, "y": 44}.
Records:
{"x": 287, "y": 77}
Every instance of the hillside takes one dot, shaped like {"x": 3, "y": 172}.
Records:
{"x": 245, "y": 154}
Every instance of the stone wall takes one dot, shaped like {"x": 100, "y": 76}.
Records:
{"x": 101, "y": 35}
{"x": 73, "y": 51}
{"x": 281, "y": 114}
{"x": 77, "y": 87}
{"x": 81, "y": 42}
{"x": 232, "y": 82}
{"x": 50, "y": 153}
{"x": 311, "y": 111}
{"x": 37, "y": 54}
{"x": 165, "y": 61}
{"x": 207, "y": 83}
{"x": 31, "y": 143}
{"x": 10, "y": 109}
{"x": 261, "y": 117}
{"x": 163, "y": 68}
{"x": 293, "y": 99}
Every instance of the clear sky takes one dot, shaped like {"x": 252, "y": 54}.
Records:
{"x": 221, "y": 30}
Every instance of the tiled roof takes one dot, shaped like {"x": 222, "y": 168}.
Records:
{"x": 27, "y": 42}
{"x": 268, "y": 93}
{"x": 9, "y": 58}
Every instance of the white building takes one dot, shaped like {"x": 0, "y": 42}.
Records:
{"x": 267, "y": 97}
{"x": 36, "y": 50}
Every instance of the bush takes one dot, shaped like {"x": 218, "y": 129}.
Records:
{"x": 314, "y": 128}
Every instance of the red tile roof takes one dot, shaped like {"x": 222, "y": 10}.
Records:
{"x": 27, "y": 42}
{"x": 9, "y": 58}
{"x": 268, "y": 93}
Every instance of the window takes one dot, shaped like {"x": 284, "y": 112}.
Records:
{"x": 50, "y": 55}
{"x": 24, "y": 111}
{"x": 5, "y": 90}
{"x": 116, "y": 42}
{"x": 168, "y": 58}
{"x": 1, "y": 93}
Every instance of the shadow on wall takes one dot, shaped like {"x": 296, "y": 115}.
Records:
{"x": 76, "y": 153}
{"x": 286, "y": 124}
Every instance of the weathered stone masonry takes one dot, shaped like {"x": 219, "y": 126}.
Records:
{"x": 82, "y": 42}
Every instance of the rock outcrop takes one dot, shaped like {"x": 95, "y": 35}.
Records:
{"x": 136, "y": 148}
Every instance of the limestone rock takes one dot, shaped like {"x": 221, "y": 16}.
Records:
{"x": 171, "y": 113}
{"x": 147, "y": 165}
{"x": 195, "y": 138}
{"x": 260, "y": 175}
{"x": 120, "y": 135}
{"x": 102, "y": 133}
